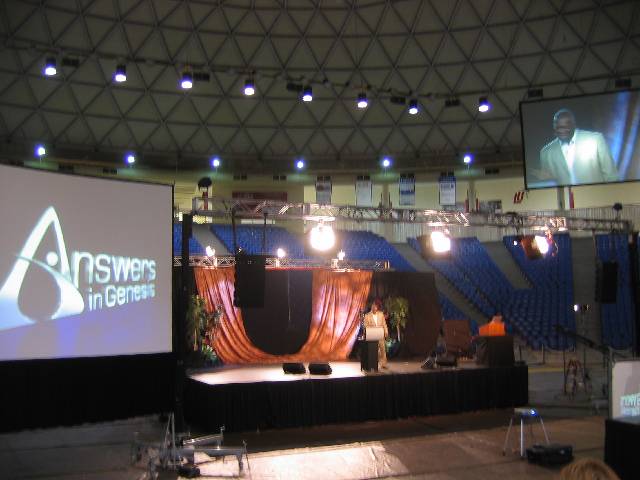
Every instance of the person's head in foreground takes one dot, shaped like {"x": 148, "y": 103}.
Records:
{"x": 376, "y": 305}
{"x": 588, "y": 469}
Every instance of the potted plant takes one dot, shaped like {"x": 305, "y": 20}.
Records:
{"x": 397, "y": 309}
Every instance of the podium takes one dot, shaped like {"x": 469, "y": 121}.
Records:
{"x": 369, "y": 348}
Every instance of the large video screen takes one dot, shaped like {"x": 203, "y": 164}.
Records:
{"x": 85, "y": 266}
{"x": 625, "y": 389}
{"x": 582, "y": 140}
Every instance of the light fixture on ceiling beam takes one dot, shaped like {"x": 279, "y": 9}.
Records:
{"x": 215, "y": 162}
{"x": 483, "y": 105}
{"x": 362, "y": 100}
{"x": 300, "y": 164}
{"x": 452, "y": 102}
{"x": 50, "y": 67}
{"x": 307, "y": 94}
{"x": 467, "y": 159}
{"x": 249, "y": 87}
{"x": 413, "y": 107}
{"x": 40, "y": 150}
{"x": 120, "y": 74}
{"x": 386, "y": 162}
{"x": 186, "y": 81}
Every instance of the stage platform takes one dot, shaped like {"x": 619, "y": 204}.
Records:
{"x": 246, "y": 398}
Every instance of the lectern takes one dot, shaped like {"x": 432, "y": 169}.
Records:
{"x": 369, "y": 349}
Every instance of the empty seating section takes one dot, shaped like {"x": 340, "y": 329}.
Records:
{"x": 617, "y": 318}
{"x": 194, "y": 247}
{"x": 249, "y": 238}
{"x": 532, "y": 313}
{"x": 363, "y": 245}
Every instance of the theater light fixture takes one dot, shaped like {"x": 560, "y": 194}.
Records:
{"x": 362, "y": 100}
{"x": 280, "y": 253}
{"x": 413, "y": 107}
{"x": 483, "y": 105}
{"x": 440, "y": 242}
{"x": 537, "y": 246}
{"x": 467, "y": 159}
{"x": 50, "y": 67}
{"x": 307, "y": 94}
{"x": 300, "y": 164}
{"x": 211, "y": 252}
{"x": 542, "y": 244}
{"x": 386, "y": 162}
{"x": 215, "y": 162}
{"x": 187, "y": 80}
{"x": 120, "y": 74}
{"x": 341, "y": 255}
{"x": 130, "y": 158}
{"x": 40, "y": 151}
{"x": 249, "y": 87}
{"x": 322, "y": 237}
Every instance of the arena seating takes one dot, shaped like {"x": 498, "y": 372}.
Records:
{"x": 194, "y": 247}
{"x": 531, "y": 313}
{"x": 363, "y": 245}
{"x": 249, "y": 238}
{"x": 617, "y": 318}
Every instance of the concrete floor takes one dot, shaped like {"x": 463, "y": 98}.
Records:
{"x": 462, "y": 446}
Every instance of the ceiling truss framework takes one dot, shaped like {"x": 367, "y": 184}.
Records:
{"x": 251, "y": 209}
{"x": 430, "y": 50}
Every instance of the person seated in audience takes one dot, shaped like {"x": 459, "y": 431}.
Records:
{"x": 588, "y": 469}
{"x": 376, "y": 318}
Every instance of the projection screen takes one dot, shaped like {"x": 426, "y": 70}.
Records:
{"x": 85, "y": 266}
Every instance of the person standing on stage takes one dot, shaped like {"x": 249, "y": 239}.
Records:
{"x": 376, "y": 318}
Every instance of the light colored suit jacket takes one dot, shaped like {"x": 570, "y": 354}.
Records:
{"x": 592, "y": 162}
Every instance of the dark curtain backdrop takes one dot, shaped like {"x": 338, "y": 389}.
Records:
{"x": 335, "y": 302}
{"x": 419, "y": 288}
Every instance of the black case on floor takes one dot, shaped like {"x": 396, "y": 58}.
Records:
{"x": 553, "y": 454}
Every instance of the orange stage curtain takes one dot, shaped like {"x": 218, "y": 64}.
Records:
{"x": 337, "y": 299}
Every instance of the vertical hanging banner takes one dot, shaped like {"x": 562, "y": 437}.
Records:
{"x": 364, "y": 191}
{"x": 407, "y": 186}
{"x": 323, "y": 190}
{"x": 447, "y": 190}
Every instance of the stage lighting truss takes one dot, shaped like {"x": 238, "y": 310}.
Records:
{"x": 275, "y": 262}
{"x": 218, "y": 207}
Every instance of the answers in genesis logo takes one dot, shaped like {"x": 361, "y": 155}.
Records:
{"x": 106, "y": 280}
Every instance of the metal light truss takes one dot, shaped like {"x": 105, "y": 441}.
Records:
{"x": 217, "y": 207}
{"x": 288, "y": 263}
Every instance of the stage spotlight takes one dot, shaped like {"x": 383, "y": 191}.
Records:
{"x": 386, "y": 162}
{"x": 187, "y": 80}
{"x": 413, "y": 107}
{"x": 467, "y": 159}
{"x": 211, "y": 252}
{"x": 542, "y": 244}
{"x": 130, "y": 158}
{"x": 341, "y": 255}
{"x": 537, "y": 246}
{"x": 215, "y": 162}
{"x": 249, "y": 87}
{"x": 483, "y": 105}
{"x": 300, "y": 164}
{"x": 307, "y": 94}
{"x": 362, "y": 100}
{"x": 440, "y": 242}
{"x": 280, "y": 253}
{"x": 50, "y": 67}
{"x": 41, "y": 151}
{"x": 120, "y": 75}
{"x": 322, "y": 238}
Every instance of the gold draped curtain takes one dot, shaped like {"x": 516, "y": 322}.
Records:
{"x": 337, "y": 299}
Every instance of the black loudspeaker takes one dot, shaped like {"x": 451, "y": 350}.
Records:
{"x": 606, "y": 282}
{"x": 249, "y": 285}
{"x": 295, "y": 368}
{"x": 495, "y": 351}
{"x": 320, "y": 369}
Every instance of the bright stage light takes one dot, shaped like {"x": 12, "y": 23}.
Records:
{"x": 542, "y": 244}
{"x": 211, "y": 252}
{"x": 483, "y": 105}
{"x": 341, "y": 255}
{"x": 121, "y": 73}
{"x": 362, "y": 100}
{"x": 322, "y": 238}
{"x": 215, "y": 162}
{"x": 307, "y": 94}
{"x": 50, "y": 68}
{"x": 300, "y": 164}
{"x": 440, "y": 243}
{"x": 467, "y": 159}
{"x": 280, "y": 253}
{"x": 386, "y": 162}
{"x": 187, "y": 81}
{"x": 249, "y": 88}
{"x": 40, "y": 151}
{"x": 130, "y": 159}
{"x": 413, "y": 107}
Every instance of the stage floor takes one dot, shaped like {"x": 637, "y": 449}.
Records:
{"x": 230, "y": 374}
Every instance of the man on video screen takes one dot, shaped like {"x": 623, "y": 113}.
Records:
{"x": 576, "y": 156}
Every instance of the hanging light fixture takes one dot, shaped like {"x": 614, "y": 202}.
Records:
{"x": 249, "y": 87}
{"x": 307, "y": 94}
{"x": 120, "y": 74}
{"x": 362, "y": 100}
{"x": 187, "y": 80}
{"x": 413, "y": 107}
{"x": 50, "y": 67}
{"x": 483, "y": 105}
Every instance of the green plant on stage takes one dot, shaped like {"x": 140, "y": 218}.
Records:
{"x": 197, "y": 319}
{"x": 398, "y": 310}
